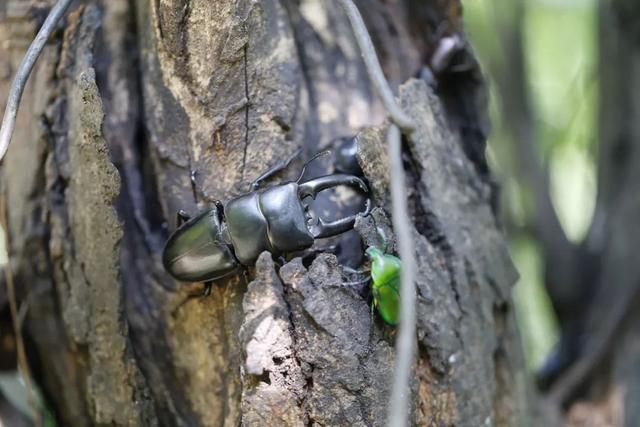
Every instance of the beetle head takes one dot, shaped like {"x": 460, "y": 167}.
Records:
{"x": 310, "y": 189}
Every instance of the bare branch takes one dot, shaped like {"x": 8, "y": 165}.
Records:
{"x": 26, "y": 66}
{"x": 407, "y": 329}
{"x": 405, "y": 340}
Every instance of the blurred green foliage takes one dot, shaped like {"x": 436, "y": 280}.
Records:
{"x": 560, "y": 50}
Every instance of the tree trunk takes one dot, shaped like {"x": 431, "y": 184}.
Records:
{"x": 136, "y": 110}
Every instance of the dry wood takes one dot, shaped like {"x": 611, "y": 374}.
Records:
{"x": 130, "y": 104}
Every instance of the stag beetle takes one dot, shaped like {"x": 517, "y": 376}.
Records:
{"x": 276, "y": 218}
{"x": 346, "y": 160}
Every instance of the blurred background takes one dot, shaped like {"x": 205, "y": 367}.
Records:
{"x": 558, "y": 48}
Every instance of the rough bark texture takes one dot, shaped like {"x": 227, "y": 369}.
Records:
{"x": 139, "y": 109}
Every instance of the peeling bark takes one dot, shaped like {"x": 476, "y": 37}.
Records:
{"x": 145, "y": 108}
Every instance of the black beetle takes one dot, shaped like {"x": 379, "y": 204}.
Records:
{"x": 221, "y": 240}
{"x": 346, "y": 160}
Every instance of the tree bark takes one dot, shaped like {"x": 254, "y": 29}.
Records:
{"x": 139, "y": 109}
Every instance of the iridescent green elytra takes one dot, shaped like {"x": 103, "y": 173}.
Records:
{"x": 385, "y": 273}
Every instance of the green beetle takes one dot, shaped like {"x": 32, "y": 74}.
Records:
{"x": 385, "y": 274}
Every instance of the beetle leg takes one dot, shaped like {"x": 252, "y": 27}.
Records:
{"x": 274, "y": 170}
{"x": 357, "y": 286}
{"x": 245, "y": 276}
{"x": 315, "y": 186}
{"x": 308, "y": 254}
{"x": 351, "y": 270}
{"x": 304, "y": 168}
{"x": 182, "y": 217}
{"x": 373, "y": 303}
{"x": 207, "y": 288}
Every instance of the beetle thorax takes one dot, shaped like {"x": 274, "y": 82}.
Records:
{"x": 271, "y": 219}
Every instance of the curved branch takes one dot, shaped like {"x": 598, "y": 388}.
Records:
{"x": 26, "y": 66}
{"x": 405, "y": 340}
{"x": 374, "y": 69}
{"x": 407, "y": 329}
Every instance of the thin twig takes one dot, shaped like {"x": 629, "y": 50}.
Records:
{"x": 405, "y": 341}
{"x": 6, "y": 132}
{"x": 374, "y": 69}
{"x": 17, "y": 328}
{"x": 26, "y": 66}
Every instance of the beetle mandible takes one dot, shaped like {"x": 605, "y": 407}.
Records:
{"x": 220, "y": 241}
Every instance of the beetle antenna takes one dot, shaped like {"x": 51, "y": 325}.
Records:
{"x": 304, "y": 168}
{"x": 275, "y": 169}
